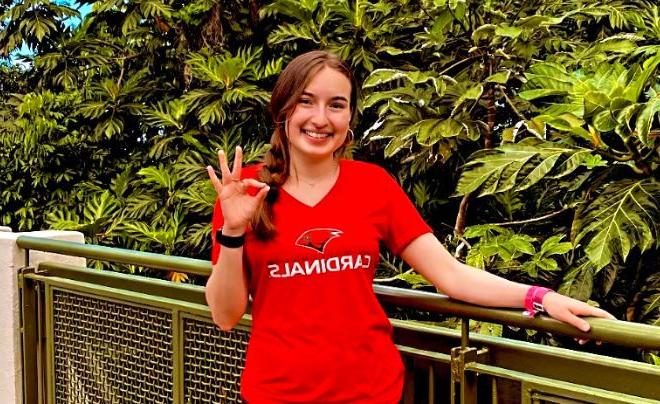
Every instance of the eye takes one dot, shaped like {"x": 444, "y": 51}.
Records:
{"x": 304, "y": 101}
{"x": 338, "y": 105}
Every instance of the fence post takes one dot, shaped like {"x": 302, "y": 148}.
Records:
{"x": 12, "y": 259}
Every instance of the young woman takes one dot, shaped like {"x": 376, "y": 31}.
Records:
{"x": 301, "y": 232}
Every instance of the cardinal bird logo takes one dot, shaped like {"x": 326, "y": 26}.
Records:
{"x": 317, "y": 239}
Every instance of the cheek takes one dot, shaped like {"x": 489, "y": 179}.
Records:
{"x": 295, "y": 118}
{"x": 342, "y": 120}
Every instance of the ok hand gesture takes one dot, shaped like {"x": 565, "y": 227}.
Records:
{"x": 238, "y": 206}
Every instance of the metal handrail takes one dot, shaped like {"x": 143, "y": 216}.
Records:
{"x": 614, "y": 331}
{"x": 618, "y": 332}
{"x": 122, "y": 255}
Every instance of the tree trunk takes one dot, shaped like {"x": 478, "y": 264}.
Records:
{"x": 461, "y": 217}
{"x": 254, "y": 12}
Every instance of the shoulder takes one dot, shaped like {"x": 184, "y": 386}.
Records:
{"x": 368, "y": 171}
{"x": 363, "y": 168}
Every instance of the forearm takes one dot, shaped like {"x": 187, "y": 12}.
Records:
{"x": 429, "y": 258}
{"x": 483, "y": 288}
{"x": 226, "y": 288}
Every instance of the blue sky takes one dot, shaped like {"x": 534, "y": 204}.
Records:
{"x": 83, "y": 10}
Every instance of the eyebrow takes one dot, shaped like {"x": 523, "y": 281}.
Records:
{"x": 335, "y": 98}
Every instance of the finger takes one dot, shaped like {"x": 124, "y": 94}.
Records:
{"x": 574, "y": 320}
{"x": 586, "y": 310}
{"x": 580, "y": 324}
{"x": 238, "y": 163}
{"x": 261, "y": 195}
{"x": 604, "y": 314}
{"x": 224, "y": 168}
{"x": 580, "y": 341}
{"x": 214, "y": 179}
{"x": 254, "y": 183}
{"x": 596, "y": 312}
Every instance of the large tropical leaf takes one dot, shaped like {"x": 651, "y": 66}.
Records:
{"x": 383, "y": 76}
{"x": 650, "y": 311}
{"x": 623, "y": 216}
{"x": 220, "y": 71}
{"x": 578, "y": 283}
{"x": 518, "y": 166}
{"x": 160, "y": 177}
{"x": 166, "y": 114}
{"x": 649, "y": 114}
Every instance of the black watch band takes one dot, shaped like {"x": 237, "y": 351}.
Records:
{"x": 229, "y": 241}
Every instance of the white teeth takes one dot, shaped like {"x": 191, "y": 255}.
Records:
{"x": 316, "y": 135}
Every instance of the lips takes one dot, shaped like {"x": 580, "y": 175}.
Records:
{"x": 316, "y": 135}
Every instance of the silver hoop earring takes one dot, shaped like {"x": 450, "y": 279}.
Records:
{"x": 351, "y": 136}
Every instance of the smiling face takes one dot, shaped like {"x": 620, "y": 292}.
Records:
{"x": 320, "y": 120}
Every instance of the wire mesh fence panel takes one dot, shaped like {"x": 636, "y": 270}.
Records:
{"x": 213, "y": 362}
{"x": 110, "y": 352}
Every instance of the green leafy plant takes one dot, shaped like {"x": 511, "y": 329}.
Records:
{"x": 503, "y": 250}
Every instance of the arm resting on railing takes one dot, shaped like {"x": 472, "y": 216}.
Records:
{"x": 459, "y": 281}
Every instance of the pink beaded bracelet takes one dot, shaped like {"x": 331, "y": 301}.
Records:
{"x": 534, "y": 300}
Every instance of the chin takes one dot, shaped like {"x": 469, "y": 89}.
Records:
{"x": 315, "y": 152}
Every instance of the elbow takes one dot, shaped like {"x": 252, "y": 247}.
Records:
{"x": 226, "y": 328}
{"x": 225, "y": 325}
{"x": 224, "y": 321}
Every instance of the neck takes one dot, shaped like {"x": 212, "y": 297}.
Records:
{"x": 309, "y": 171}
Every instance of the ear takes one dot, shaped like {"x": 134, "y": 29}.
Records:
{"x": 285, "y": 128}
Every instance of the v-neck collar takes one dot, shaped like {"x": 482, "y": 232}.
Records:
{"x": 327, "y": 194}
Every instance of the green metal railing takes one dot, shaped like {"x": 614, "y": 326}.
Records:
{"x": 99, "y": 336}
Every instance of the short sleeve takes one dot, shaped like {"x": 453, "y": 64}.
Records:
{"x": 218, "y": 219}
{"x": 404, "y": 223}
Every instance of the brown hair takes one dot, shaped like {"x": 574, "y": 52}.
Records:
{"x": 288, "y": 88}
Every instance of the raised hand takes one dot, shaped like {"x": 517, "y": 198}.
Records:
{"x": 238, "y": 206}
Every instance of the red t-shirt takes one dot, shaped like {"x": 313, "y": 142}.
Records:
{"x": 318, "y": 332}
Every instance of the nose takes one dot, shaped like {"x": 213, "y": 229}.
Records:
{"x": 319, "y": 118}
